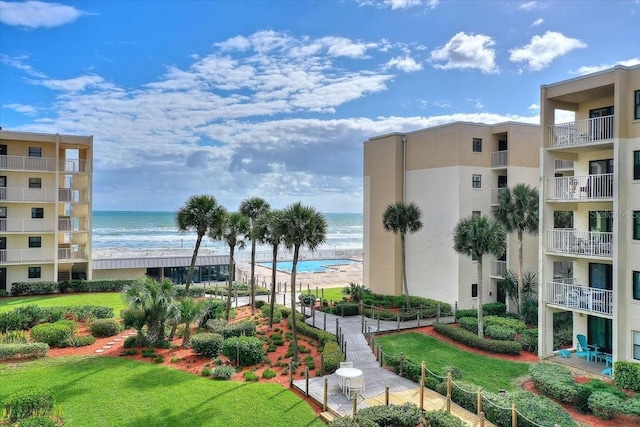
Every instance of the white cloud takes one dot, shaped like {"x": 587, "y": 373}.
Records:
{"x": 466, "y": 51}
{"x": 537, "y": 22}
{"x": 341, "y": 46}
{"x": 399, "y": 4}
{"x": 542, "y": 50}
{"x": 477, "y": 103}
{"x": 588, "y": 69}
{"x": 35, "y": 14}
{"x": 534, "y": 108}
{"x": 239, "y": 43}
{"x": 530, "y": 5}
{"x": 21, "y": 108}
{"x": 76, "y": 84}
{"x": 405, "y": 63}
{"x": 19, "y": 63}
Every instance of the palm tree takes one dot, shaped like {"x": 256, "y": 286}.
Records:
{"x": 199, "y": 213}
{"x": 190, "y": 311}
{"x": 234, "y": 231}
{"x": 300, "y": 225}
{"x": 253, "y": 208}
{"x": 267, "y": 231}
{"x": 518, "y": 211}
{"x": 402, "y": 218}
{"x": 475, "y": 237}
{"x": 154, "y": 301}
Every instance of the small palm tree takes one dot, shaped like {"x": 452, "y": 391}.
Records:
{"x": 190, "y": 312}
{"x": 154, "y": 301}
{"x": 518, "y": 211}
{"x": 475, "y": 237}
{"x": 199, "y": 213}
{"x": 401, "y": 218}
{"x": 267, "y": 231}
{"x": 253, "y": 208}
{"x": 300, "y": 225}
{"x": 234, "y": 231}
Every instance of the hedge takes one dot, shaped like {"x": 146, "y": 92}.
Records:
{"x": 555, "y": 381}
{"x": 10, "y": 351}
{"x": 332, "y": 356}
{"x": 627, "y": 375}
{"x": 515, "y": 324}
{"x": 53, "y": 334}
{"x": 406, "y": 415}
{"x": 266, "y": 309}
{"x": 303, "y": 328}
{"x": 494, "y": 309}
{"x": 105, "y": 328}
{"x": 398, "y": 301}
{"x": 25, "y": 403}
{"x": 44, "y": 288}
{"x": 473, "y": 340}
{"x": 38, "y": 422}
{"x": 443, "y": 418}
{"x": 605, "y": 405}
{"x": 501, "y": 333}
{"x": 469, "y": 323}
{"x": 207, "y": 344}
{"x": 236, "y": 329}
{"x": 194, "y": 291}
{"x": 33, "y": 288}
{"x": 529, "y": 340}
{"x": 246, "y": 351}
{"x": 346, "y": 309}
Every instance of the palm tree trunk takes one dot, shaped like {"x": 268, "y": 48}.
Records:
{"x": 273, "y": 285}
{"x": 192, "y": 267}
{"x": 294, "y": 331}
{"x": 253, "y": 272}
{"x": 520, "y": 272}
{"x": 480, "y": 314}
{"x": 405, "y": 287}
{"x": 186, "y": 338}
{"x": 230, "y": 288}
{"x": 173, "y": 332}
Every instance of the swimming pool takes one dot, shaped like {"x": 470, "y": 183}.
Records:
{"x": 310, "y": 265}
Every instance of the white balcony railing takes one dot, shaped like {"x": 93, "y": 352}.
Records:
{"x": 22, "y": 194}
{"x": 495, "y": 196}
{"x": 591, "y": 187}
{"x": 24, "y": 256}
{"x": 563, "y": 164}
{"x": 70, "y": 195}
{"x": 499, "y": 159}
{"x": 42, "y": 164}
{"x": 498, "y": 268}
{"x": 73, "y": 165}
{"x": 582, "y": 132}
{"x": 18, "y": 225}
{"x": 572, "y": 242}
{"x": 593, "y": 300}
{"x": 67, "y": 254}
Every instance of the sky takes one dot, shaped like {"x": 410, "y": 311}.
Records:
{"x": 276, "y": 98}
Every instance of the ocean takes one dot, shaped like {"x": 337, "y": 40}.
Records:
{"x": 157, "y": 230}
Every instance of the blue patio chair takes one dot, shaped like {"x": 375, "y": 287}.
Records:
{"x": 608, "y": 372}
{"x": 584, "y": 350}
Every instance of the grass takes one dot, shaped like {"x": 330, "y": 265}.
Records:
{"x": 109, "y": 299}
{"x": 105, "y": 391}
{"x": 334, "y": 294}
{"x": 491, "y": 374}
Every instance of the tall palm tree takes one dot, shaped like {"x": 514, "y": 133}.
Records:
{"x": 154, "y": 301}
{"x": 199, "y": 213}
{"x": 518, "y": 211}
{"x": 475, "y": 237}
{"x": 253, "y": 208}
{"x": 401, "y": 218}
{"x": 300, "y": 225}
{"x": 234, "y": 231}
{"x": 267, "y": 231}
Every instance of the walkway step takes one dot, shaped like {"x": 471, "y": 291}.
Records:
{"x": 327, "y": 416}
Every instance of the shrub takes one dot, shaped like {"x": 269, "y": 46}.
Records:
{"x": 494, "y": 309}
{"x": 443, "y": 419}
{"x": 586, "y": 389}
{"x": 25, "y": 403}
{"x": 473, "y": 340}
{"x": 534, "y": 410}
{"x": 207, "y": 344}
{"x": 33, "y": 288}
{"x": 14, "y": 337}
{"x": 3, "y": 293}
{"x": 555, "y": 381}
{"x": 10, "y": 351}
{"x": 515, "y": 324}
{"x": 112, "y": 285}
{"x": 12, "y": 321}
{"x": 627, "y": 375}
{"x": 529, "y": 340}
{"x": 277, "y": 314}
{"x": 497, "y": 332}
{"x": 149, "y": 352}
{"x": 632, "y": 406}
{"x": 332, "y": 355}
{"x": 129, "y": 352}
{"x": 307, "y": 299}
{"x": 53, "y": 334}
{"x": 224, "y": 372}
{"x": 260, "y": 303}
{"x": 250, "y": 376}
{"x": 52, "y": 314}
{"x": 469, "y": 323}
{"x": 158, "y": 359}
{"x": 194, "y": 292}
{"x": 346, "y": 309}
{"x": 135, "y": 341}
{"x": 32, "y": 312}
{"x": 323, "y": 337}
{"x": 39, "y": 421}
{"x": 213, "y": 309}
{"x": 206, "y": 372}
{"x": 604, "y": 404}
{"x": 406, "y": 415}
{"x": 79, "y": 341}
{"x": 286, "y": 311}
{"x": 268, "y": 373}
{"x": 473, "y": 313}
{"x": 227, "y": 330}
{"x": 105, "y": 328}
{"x": 246, "y": 351}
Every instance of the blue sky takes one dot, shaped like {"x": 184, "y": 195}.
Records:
{"x": 275, "y": 98}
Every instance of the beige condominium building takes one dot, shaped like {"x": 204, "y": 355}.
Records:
{"x": 590, "y": 253}
{"x": 45, "y": 207}
{"x": 451, "y": 172}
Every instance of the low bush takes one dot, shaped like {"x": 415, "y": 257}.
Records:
{"x": 533, "y": 410}
{"x": 33, "y": 288}
{"x": 3, "y": 293}
{"x": 627, "y": 375}
{"x": 515, "y": 324}
{"x": 332, "y": 356}
{"x": 469, "y": 323}
{"x": 23, "y": 351}
{"x": 586, "y": 389}
{"x": 307, "y": 299}
{"x": 26, "y": 403}
{"x": 268, "y": 373}
{"x": 236, "y": 329}
{"x": 12, "y": 321}
{"x": 113, "y": 285}
{"x": 223, "y": 372}
{"x": 136, "y": 341}
{"x": 632, "y": 406}
{"x": 321, "y": 336}
{"x": 149, "y": 352}
{"x": 213, "y": 309}
{"x": 472, "y": 312}
{"x": 14, "y": 337}
{"x": 528, "y": 339}
{"x": 604, "y": 404}
{"x": 79, "y": 341}
{"x": 277, "y": 314}
{"x": 346, "y": 309}
{"x": 250, "y": 376}
{"x": 501, "y": 333}
{"x": 207, "y": 344}
{"x": 206, "y": 372}
{"x": 473, "y": 340}
{"x": 554, "y": 381}
{"x": 101, "y": 328}
{"x": 158, "y": 359}
{"x": 194, "y": 291}
{"x": 129, "y": 352}
{"x": 406, "y": 415}
{"x": 443, "y": 418}
{"x": 39, "y": 421}
{"x": 494, "y": 309}
{"x": 260, "y": 303}
{"x": 53, "y": 334}
{"x": 246, "y": 351}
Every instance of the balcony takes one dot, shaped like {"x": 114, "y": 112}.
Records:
{"x": 19, "y": 225}
{"x": 42, "y": 164}
{"x": 26, "y": 256}
{"x": 582, "y": 132}
{"x": 563, "y": 165}
{"x": 583, "y": 298}
{"x": 67, "y": 254}
{"x": 566, "y": 241}
{"x": 498, "y": 269}
{"x": 499, "y": 159}
{"x": 495, "y": 196}
{"x": 22, "y": 194}
{"x": 71, "y": 196}
{"x": 575, "y": 188}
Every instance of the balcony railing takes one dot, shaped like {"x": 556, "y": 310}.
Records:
{"x": 42, "y": 164}
{"x": 495, "y": 196}
{"x": 22, "y": 194}
{"x": 498, "y": 268}
{"x": 572, "y": 242}
{"x": 563, "y": 164}
{"x": 70, "y": 195}
{"x": 593, "y": 300}
{"x": 591, "y": 187}
{"x": 499, "y": 159}
{"x": 67, "y": 254}
{"x": 18, "y": 225}
{"x": 24, "y": 256}
{"x": 582, "y": 132}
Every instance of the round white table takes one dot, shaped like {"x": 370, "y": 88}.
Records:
{"x": 347, "y": 373}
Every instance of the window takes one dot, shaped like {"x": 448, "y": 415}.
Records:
{"x": 636, "y": 225}
{"x": 35, "y": 241}
{"x": 37, "y": 213}
{"x": 636, "y": 165}
{"x": 35, "y": 182}
{"x": 476, "y": 181}
{"x": 637, "y": 105}
{"x": 35, "y": 152}
{"x": 34, "y": 272}
{"x": 636, "y": 345}
{"x": 474, "y": 290}
{"x": 636, "y": 285}
{"x": 477, "y": 145}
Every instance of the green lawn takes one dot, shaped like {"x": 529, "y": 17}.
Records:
{"x": 492, "y": 374}
{"x": 109, "y": 299}
{"x": 334, "y": 294}
{"x": 104, "y": 391}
